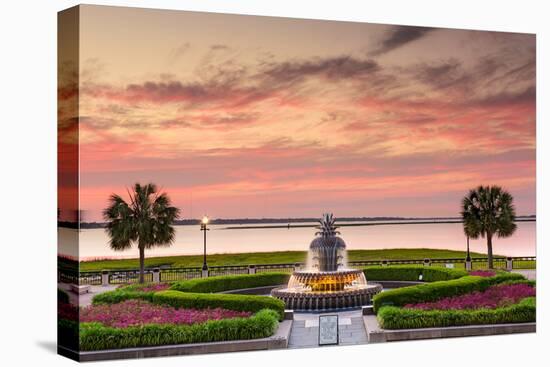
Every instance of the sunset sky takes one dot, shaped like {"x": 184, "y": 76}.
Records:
{"x": 242, "y": 116}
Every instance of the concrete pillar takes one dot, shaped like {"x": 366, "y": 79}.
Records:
{"x": 468, "y": 265}
{"x": 427, "y": 262}
{"x": 104, "y": 277}
{"x": 297, "y": 266}
{"x": 205, "y": 273}
{"x": 156, "y": 275}
{"x": 384, "y": 263}
{"x": 251, "y": 269}
{"x": 509, "y": 264}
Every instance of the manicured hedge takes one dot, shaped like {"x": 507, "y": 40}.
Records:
{"x": 67, "y": 333}
{"x": 230, "y": 282}
{"x": 532, "y": 283}
{"x": 391, "y": 317}
{"x": 120, "y": 295}
{"x": 62, "y": 296}
{"x": 94, "y": 336}
{"x": 412, "y": 273}
{"x": 236, "y": 302}
{"x": 437, "y": 290}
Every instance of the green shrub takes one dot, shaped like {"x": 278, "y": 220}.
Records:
{"x": 67, "y": 333}
{"x": 138, "y": 287}
{"x": 391, "y": 317}
{"x": 437, "y": 290}
{"x": 62, "y": 296}
{"x": 94, "y": 336}
{"x": 120, "y": 295}
{"x": 532, "y": 283}
{"x": 230, "y": 282}
{"x": 412, "y": 273}
{"x": 236, "y": 302}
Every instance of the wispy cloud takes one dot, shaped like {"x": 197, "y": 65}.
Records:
{"x": 235, "y": 125}
{"x": 399, "y": 36}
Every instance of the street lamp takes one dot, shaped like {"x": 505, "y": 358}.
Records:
{"x": 204, "y": 222}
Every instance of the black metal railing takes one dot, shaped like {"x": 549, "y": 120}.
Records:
{"x": 227, "y": 270}
{"x": 174, "y": 274}
{"x": 90, "y": 278}
{"x": 125, "y": 276}
{"x": 128, "y": 276}
{"x": 280, "y": 268}
{"x": 527, "y": 262}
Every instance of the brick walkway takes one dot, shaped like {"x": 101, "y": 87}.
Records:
{"x": 305, "y": 329}
{"x": 86, "y": 298}
{"x": 529, "y": 274}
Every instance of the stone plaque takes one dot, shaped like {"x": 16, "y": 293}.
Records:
{"x": 328, "y": 329}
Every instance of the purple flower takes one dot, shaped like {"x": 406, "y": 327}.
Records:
{"x": 493, "y": 297}
{"x": 137, "y": 312}
{"x": 66, "y": 311}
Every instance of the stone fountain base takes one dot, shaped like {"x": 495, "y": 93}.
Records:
{"x": 327, "y": 301}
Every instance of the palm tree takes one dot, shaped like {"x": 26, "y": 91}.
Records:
{"x": 145, "y": 220}
{"x": 488, "y": 211}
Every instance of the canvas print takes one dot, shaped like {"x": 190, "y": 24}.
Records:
{"x": 232, "y": 183}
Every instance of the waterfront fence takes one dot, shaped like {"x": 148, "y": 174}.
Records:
{"x": 169, "y": 274}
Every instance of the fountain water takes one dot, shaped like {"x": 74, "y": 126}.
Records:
{"x": 327, "y": 283}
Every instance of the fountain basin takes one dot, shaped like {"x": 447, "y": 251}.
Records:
{"x": 327, "y": 281}
{"x": 353, "y": 297}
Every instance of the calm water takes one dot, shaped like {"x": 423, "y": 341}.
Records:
{"x": 189, "y": 240}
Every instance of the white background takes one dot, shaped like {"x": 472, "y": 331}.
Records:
{"x": 28, "y": 181}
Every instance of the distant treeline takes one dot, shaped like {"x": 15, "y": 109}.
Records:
{"x": 241, "y": 221}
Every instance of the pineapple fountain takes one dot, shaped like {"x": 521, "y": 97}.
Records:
{"x": 327, "y": 283}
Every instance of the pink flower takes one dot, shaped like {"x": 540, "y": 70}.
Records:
{"x": 493, "y": 297}
{"x": 137, "y": 312}
{"x": 66, "y": 311}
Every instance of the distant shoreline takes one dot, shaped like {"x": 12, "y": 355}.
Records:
{"x": 271, "y": 257}
{"x": 247, "y": 223}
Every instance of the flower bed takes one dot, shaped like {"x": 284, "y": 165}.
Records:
{"x": 180, "y": 299}
{"x": 230, "y": 282}
{"x": 435, "y": 291}
{"x": 66, "y": 311}
{"x": 236, "y": 302}
{"x": 391, "y": 317}
{"x": 493, "y": 297}
{"x": 147, "y": 315}
{"x": 67, "y": 321}
{"x": 137, "y": 312}
{"x": 471, "y": 300}
{"x": 95, "y": 336}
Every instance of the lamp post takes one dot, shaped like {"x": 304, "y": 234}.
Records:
{"x": 204, "y": 222}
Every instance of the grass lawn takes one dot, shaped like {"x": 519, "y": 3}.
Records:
{"x": 270, "y": 258}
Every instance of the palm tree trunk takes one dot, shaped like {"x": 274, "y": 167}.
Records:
{"x": 490, "y": 250}
{"x": 141, "y": 264}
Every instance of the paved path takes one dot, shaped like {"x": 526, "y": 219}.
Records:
{"x": 86, "y": 298}
{"x": 305, "y": 329}
{"x": 529, "y": 274}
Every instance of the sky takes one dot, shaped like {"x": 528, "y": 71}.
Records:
{"x": 256, "y": 117}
